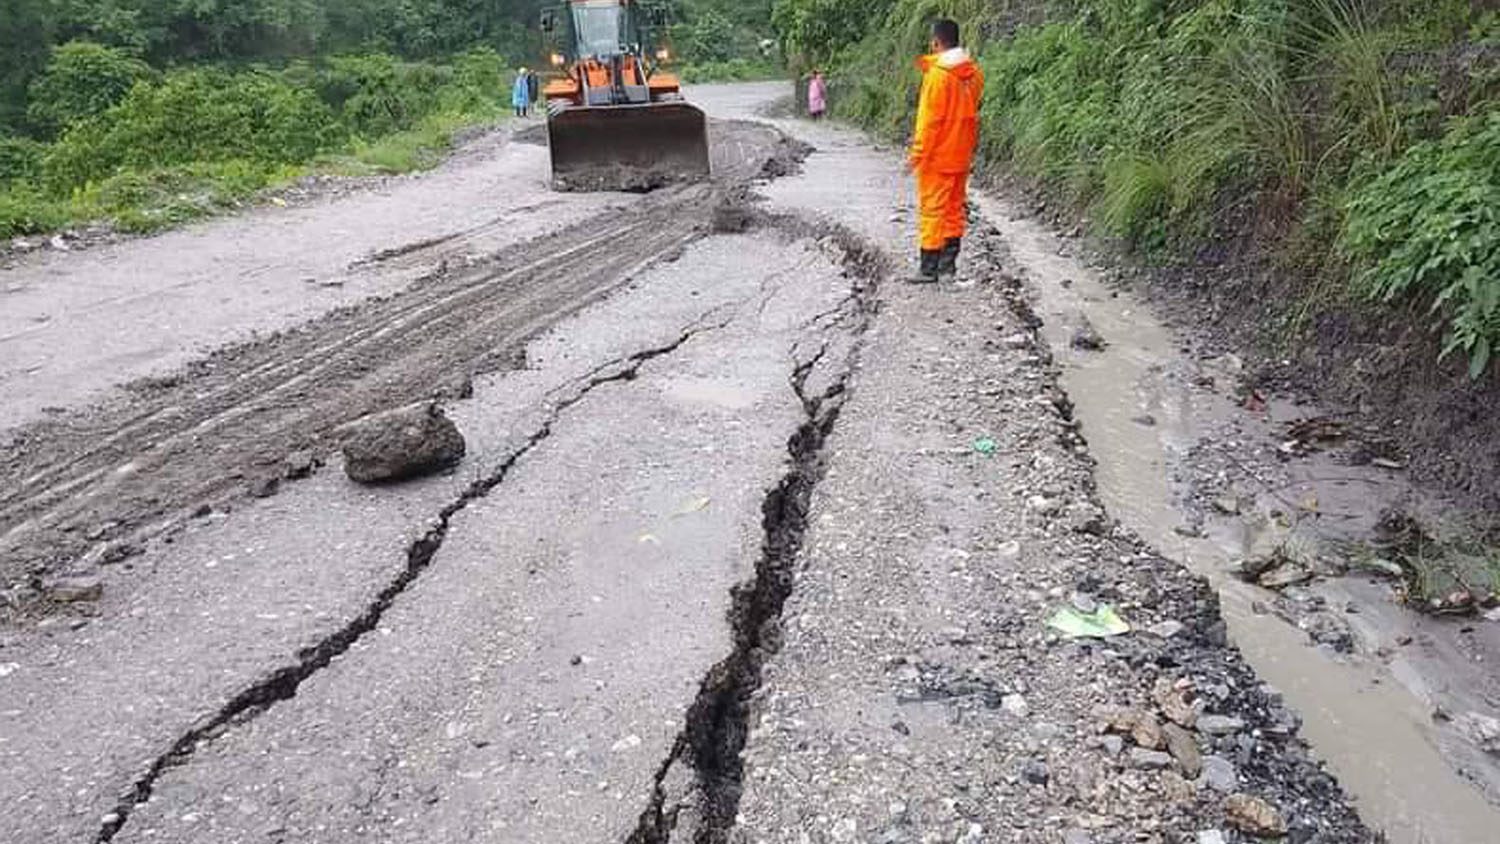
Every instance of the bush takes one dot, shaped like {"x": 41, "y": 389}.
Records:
{"x": 199, "y": 140}
{"x": 82, "y": 79}
{"x": 480, "y": 81}
{"x": 377, "y": 94}
{"x": 195, "y": 117}
{"x": 156, "y": 198}
{"x": 1429, "y": 228}
{"x": 708, "y": 39}
{"x": 20, "y": 160}
{"x": 26, "y": 210}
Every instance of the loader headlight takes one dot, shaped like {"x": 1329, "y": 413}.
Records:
{"x": 663, "y": 54}
{"x": 558, "y": 59}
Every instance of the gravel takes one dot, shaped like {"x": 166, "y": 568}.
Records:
{"x": 913, "y": 535}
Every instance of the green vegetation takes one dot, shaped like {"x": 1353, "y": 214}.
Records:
{"x": 193, "y": 141}
{"x": 724, "y": 41}
{"x": 1369, "y": 123}
{"x": 1430, "y": 227}
{"x": 153, "y": 112}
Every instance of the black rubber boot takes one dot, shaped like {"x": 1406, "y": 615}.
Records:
{"x": 927, "y": 267}
{"x": 948, "y": 258}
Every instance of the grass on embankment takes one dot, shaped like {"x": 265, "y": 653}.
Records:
{"x": 1355, "y": 142}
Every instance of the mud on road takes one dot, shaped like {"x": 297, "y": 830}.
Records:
{"x": 94, "y": 486}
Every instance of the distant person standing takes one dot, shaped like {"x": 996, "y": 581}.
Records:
{"x": 817, "y": 95}
{"x": 533, "y": 89}
{"x": 942, "y": 149}
{"x": 520, "y": 94}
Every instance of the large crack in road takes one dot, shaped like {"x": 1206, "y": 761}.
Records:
{"x": 697, "y": 789}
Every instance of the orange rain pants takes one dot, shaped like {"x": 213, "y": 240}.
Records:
{"x": 942, "y": 200}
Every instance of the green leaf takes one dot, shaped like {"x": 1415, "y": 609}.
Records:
{"x": 1479, "y": 361}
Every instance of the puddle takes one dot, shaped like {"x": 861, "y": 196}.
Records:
{"x": 1144, "y": 408}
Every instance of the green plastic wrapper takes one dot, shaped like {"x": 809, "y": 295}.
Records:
{"x": 1099, "y": 624}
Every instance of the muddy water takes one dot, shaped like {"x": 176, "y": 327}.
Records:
{"x": 1372, "y": 722}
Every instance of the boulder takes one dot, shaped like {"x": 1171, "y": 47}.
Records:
{"x": 401, "y": 444}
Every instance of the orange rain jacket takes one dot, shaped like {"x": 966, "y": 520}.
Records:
{"x": 948, "y": 119}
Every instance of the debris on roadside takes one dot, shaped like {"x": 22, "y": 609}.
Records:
{"x": 400, "y": 444}
{"x": 696, "y": 505}
{"x": 74, "y": 589}
{"x": 299, "y": 465}
{"x": 1305, "y": 436}
{"x": 1254, "y": 816}
{"x": 1100, "y": 623}
{"x": 1483, "y": 730}
{"x": 1284, "y": 575}
{"x": 1086, "y": 337}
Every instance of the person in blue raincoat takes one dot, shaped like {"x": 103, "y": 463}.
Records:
{"x": 520, "y": 93}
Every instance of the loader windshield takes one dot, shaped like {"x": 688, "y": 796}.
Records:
{"x": 601, "y": 27}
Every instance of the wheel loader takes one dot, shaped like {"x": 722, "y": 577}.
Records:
{"x": 615, "y": 119}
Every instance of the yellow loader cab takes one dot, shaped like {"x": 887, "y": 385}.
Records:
{"x": 615, "y": 120}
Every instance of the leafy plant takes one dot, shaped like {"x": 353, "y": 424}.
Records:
{"x": 192, "y": 117}
{"x": 26, "y": 210}
{"x": 20, "y": 160}
{"x": 1429, "y": 229}
{"x": 82, "y": 79}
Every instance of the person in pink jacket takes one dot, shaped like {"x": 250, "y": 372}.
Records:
{"x": 817, "y": 95}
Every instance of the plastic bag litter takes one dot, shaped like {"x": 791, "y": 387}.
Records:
{"x": 1099, "y": 624}
{"x": 986, "y": 446}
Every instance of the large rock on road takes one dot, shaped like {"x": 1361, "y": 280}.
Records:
{"x": 403, "y": 443}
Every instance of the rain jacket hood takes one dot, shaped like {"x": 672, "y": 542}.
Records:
{"x": 956, "y": 61}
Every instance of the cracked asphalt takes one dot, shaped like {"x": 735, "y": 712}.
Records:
{"x": 721, "y": 565}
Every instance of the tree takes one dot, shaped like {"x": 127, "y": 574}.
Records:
{"x": 25, "y": 34}
{"x": 819, "y": 28}
{"x": 82, "y": 79}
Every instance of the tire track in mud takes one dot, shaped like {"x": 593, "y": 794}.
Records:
{"x": 96, "y": 484}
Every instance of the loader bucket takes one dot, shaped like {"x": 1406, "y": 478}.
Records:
{"x": 633, "y": 148}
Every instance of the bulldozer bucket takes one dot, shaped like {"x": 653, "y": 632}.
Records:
{"x": 627, "y": 147}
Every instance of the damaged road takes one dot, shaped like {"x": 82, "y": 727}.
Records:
{"x": 97, "y": 484}
{"x": 725, "y": 562}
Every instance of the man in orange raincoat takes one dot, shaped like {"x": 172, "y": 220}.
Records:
{"x": 942, "y": 149}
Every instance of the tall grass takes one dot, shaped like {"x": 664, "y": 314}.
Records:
{"x": 1319, "y": 118}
